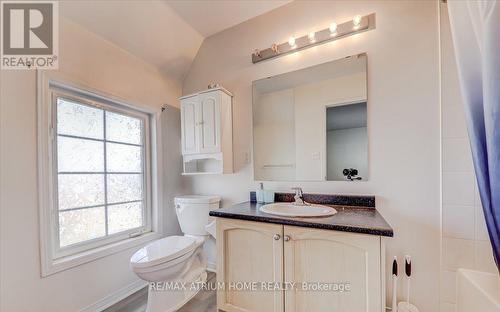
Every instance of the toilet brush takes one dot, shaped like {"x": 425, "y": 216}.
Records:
{"x": 407, "y": 306}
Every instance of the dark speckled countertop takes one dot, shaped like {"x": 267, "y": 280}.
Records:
{"x": 364, "y": 220}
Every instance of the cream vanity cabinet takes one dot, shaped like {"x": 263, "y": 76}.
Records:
{"x": 206, "y": 132}
{"x": 262, "y": 252}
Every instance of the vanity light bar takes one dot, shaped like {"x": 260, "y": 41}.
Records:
{"x": 333, "y": 32}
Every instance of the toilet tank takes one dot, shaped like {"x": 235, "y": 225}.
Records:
{"x": 192, "y": 212}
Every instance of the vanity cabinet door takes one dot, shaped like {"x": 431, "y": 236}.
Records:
{"x": 249, "y": 252}
{"x": 189, "y": 118}
{"x": 332, "y": 259}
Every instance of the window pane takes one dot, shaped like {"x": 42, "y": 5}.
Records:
{"x": 124, "y": 217}
{"x": 79, "y": 190}
{"x": 124, "y": 187}
{"x": 121, "y": 128}
{"x": 123, "y": 158}
{"x": 79, "y": 120}
{"x": 80, "y": 225}
{"x": 80, "y": 155}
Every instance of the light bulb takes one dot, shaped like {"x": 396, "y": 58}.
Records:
{"x": 333, "y": 28}
{"x": 274, "y": 47}
{"x": 312, "y": 37}
{"x": 356, "y": 21}
{"x": 291, "y": 42}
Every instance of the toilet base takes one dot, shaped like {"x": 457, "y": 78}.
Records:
{"x": 171, "y": 300}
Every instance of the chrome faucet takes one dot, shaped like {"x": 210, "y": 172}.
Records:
{"x": 299, "y": 197}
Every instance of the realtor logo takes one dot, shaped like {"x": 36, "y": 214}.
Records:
{"x": 29, "y": 35}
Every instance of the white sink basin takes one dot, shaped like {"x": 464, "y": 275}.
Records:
{"x": 291, "y": 210}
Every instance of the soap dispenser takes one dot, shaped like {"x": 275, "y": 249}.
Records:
{"x": 260, "y": 193}
{"x": 268, "y": 196}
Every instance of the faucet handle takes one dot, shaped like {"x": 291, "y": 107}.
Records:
{"x": 298, "y": 191}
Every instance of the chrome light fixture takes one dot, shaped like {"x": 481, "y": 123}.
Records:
{"x": 334, "y": 31}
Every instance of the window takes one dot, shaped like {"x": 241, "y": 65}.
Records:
{"x": 101, "y": 183}
{"x": 96, "y": 182}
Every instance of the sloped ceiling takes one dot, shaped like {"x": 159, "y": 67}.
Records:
{"x": 166, "y": 34}
{"x": 151, "y": 30}
{"x": 211, "y": 17}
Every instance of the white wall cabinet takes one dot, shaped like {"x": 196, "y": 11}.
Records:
{"x": 210, "y": 127}
{"x": 253, "y": 251}
{"x": 206, "y": 132}
{"x": 189, "y": 125}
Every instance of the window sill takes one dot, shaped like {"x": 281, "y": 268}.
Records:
{"x": 51, "y": 266}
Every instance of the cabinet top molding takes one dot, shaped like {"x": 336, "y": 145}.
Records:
{"x": 205, "y": 91}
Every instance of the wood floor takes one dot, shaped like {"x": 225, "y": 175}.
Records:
{"x": 204, "y": 301}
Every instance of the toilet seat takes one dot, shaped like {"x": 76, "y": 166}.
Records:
{"x": 178, "y": 259}
{"x": 163, "y": 250}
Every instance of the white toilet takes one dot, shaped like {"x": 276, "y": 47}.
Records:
{"x": 177, "y": 260}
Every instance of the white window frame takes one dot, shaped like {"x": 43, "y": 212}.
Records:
{"x": 54, "y": 258}
{"x": 78, "y": 98}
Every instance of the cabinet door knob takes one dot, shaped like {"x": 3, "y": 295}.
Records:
{"x": 277, "y": 237}
{"x": 286, "y": 238}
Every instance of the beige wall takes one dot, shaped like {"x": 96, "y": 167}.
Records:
{"x": 403, "y": 114}
{"x": 104, "y": 67}
{"x": 465, "y": 239}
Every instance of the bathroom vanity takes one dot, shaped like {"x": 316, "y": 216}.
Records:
{"x": 308, "y": 125}
{"x": 275, "y": 263}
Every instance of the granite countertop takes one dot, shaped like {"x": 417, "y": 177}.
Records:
{"x": 349, "y": 218}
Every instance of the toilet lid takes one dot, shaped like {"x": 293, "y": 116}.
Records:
{"x": 163, "y": 250}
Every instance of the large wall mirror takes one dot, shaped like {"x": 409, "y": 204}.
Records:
{"x": 311, "y": 124}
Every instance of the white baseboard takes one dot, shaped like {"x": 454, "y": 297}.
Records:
{"x": 115, "y": 297}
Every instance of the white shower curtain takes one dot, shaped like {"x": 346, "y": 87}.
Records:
{"x": 475, "y": 28}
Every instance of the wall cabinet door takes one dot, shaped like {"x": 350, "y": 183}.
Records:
{"x": 249, "y": 252}
{"x": 328, "y": 258}
{"x": 189, "y": 129}
{"x": 209, "y": 130}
